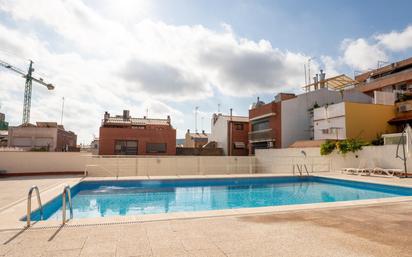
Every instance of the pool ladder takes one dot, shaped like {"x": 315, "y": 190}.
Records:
{"x": 66, "y": 194}
{"x": 299, "y": 168}
{"x": 28, "y": 217}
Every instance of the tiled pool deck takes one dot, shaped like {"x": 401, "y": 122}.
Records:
{"x": 358, "y": 228}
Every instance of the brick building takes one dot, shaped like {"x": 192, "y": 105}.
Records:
{"x": 230, "y": 133}
{"x": 44, "y": 136}
{"x": 265, "y": 124}
{"x": 124, "y": 135}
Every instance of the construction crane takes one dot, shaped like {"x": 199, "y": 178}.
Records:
{"x": 28, "y": 87}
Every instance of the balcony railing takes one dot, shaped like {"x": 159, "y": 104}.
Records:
{"x": 262, "y": 135}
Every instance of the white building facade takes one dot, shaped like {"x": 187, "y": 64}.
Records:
{"x": 329, "y": 122}
{"x": 220, "y": 129}
{"x": 297, "y": 113}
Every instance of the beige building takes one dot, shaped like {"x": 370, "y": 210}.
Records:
{"x": 196, "y": 140}
{"x": 44, "y": 136}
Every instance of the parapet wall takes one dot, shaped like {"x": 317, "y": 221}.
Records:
{"x": 282, "y": 160}
{"x": 265, "y": 161}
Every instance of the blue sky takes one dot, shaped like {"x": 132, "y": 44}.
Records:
{"x": 170, "y": 56}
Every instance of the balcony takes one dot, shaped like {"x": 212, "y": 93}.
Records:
{"x": 262, "y": 135}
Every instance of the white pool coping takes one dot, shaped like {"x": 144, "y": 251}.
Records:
{"x": 10, "y": 217}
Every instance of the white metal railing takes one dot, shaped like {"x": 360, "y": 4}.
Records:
{"x": 66, "y": 194}
{"x": 29, "y": 195}
{"x": 121, "y": 166}
{"x": 117, "y": 166}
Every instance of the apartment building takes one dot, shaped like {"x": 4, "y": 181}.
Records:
{"x": 393, "y": 78}
{"x": 196, "y": 140}
{"x": 230, "y": 133}
{"x": 44, "y": 136}
{"x": 353, "y": 120}
{"x": 391, "y": 84}
{"x": 265, "y": 122}
{"x": 289, "y": 118}
{"x": 124, "y": 135}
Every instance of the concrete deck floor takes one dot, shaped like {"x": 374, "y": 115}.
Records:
{"x": 379, "y": 230}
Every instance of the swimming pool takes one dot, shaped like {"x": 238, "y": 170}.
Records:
{"x": 136, "y": 197}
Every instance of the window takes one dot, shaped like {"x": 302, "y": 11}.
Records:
{"x": 239, "y": 145}
{"x": 155, "y": 148}
{"x": 260, "y": 125}
{"x": 238, "y": 126}
{"x": 125, "y": 147}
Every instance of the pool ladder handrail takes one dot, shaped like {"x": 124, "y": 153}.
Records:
{"x": 28, "y": 217}
{"x": 66, "y": 192}
{"x": 300, "y": 167}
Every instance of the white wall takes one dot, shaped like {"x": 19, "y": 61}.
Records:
{"x": 98, "y": 166}
{"x": 282, "y": 160}
{"x": 265, "y": 161}
{"x": 331, "y": 116}
{"x": 170, "y": 166}
{"x": 296, "y": 119}
{"x": 219, "y": 132}
{"x": 26, "y": 162}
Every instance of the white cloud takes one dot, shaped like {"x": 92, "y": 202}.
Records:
{"x": 100, "y": 60}
{"x": 361, "y": 55}
{"x": 396, "y": 41}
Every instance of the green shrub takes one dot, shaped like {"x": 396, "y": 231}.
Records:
{"x": 349, "y": 145}
{"x": 343, "y": 146}
{"x": 327, "y": 147}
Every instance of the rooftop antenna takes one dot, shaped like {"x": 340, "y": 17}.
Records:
{"x": 196, "y": 109}
{"x": 201, "y": 122}
{"x": 306, "y": 78}
{"x": 61, "y": 117}
{"x": 147, "y": 112}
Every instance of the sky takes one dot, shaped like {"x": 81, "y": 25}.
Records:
{"x": 165, "y": 57}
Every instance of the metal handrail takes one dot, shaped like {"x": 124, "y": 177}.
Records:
{"x": 28, "y": 218}
{"x": 66, "y": 192}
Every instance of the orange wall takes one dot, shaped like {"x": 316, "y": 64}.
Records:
{"x": 365, "y": 121}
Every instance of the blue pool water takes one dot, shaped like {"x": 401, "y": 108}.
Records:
{"x": 120, "y": 198}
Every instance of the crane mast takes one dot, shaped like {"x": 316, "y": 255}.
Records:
{"x": 28, "y": 87}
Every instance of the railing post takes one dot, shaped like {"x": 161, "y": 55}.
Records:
{"x": 66, "y": 193}
{"x": 29, "y": 195}
{"x": 137, "y": 165}
{"x": 198, "y": 165}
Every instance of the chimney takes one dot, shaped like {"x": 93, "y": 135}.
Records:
{"x": 231, "y": 111}
{"x": 168, "y": 120}
{"x": 214, "y": 118}
{"x": 315, "y": 81}
{"x": 188, "y": 131}
{"x": 126, "y": 114}
{"x": 203, "y": 132}
{"x": 322, "y": 77}
{"x": 106, "y": 116}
